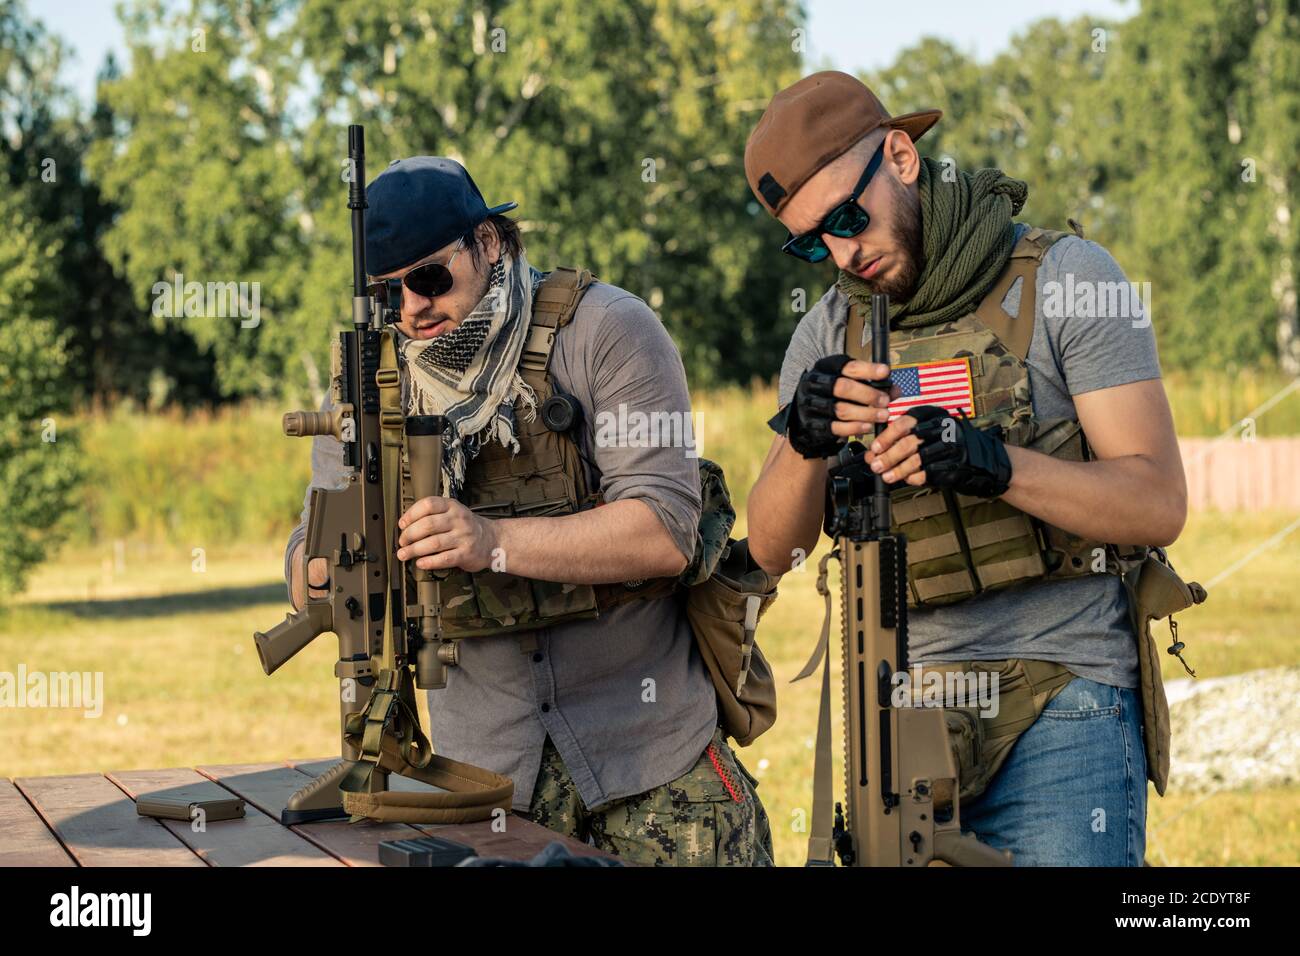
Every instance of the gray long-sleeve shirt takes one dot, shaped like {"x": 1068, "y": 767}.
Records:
{"x": 625, "y": 697}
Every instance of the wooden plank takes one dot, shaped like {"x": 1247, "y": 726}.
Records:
{"x": 255, "y": 840}
{"x": 98, "y": 824}
{"x": 359, "y": 843}
{"x": 27, "y": 840}
{"x": 522, "y": 839}
{"x": 269, "y": 786}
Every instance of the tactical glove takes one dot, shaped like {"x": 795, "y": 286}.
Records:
{"x": 806, "y": 421}
{"x": 970, "y": 462}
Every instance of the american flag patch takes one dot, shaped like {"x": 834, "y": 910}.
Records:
{"x": 946, "y": 384}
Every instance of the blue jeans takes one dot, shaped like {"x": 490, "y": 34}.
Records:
{"x": 1073, "y": 790}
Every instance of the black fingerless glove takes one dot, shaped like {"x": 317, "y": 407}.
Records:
{"x": 957, "y": 455}
{"x": 806, "y": 421}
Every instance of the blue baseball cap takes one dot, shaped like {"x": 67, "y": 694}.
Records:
{"x": 417, "y": 206}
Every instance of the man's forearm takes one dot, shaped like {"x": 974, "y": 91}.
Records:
{"x": 1128, "y": 500}
{"x": 620, "y": 541}
{"x": 786, "y": 508}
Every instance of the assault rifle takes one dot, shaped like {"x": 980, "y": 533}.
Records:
{"x": 386, "y": 614}
{"x": 900, "y": 777}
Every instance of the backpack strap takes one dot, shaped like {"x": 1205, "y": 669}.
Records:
{"x": 1016, "y": 332}
{"x": 554, "y": 304}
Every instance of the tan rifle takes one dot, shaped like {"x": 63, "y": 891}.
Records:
{"x": 386, "y": 614}
{"x": 900, "y": 777}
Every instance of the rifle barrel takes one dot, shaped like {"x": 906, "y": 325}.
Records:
{"x": 357, "y": 203}
{"x": 880, "y": 355}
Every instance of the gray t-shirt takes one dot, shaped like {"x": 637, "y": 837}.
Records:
{"x": 1082, "y": 622}
{"x": 625, "y": 697}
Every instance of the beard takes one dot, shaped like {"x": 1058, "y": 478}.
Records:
{"x": 909, "y": 240}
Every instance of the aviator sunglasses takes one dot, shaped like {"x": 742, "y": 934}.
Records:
{"x": 429, "y": 280}
{"x": 845, "y": 220}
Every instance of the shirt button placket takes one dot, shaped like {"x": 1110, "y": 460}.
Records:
{"x": 543, "y": 678}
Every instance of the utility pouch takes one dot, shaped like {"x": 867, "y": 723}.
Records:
{"x": 723, "y": 612}
{"x": 726, "y": 594}
{"x": 966, "y": 735}
{"x": 1155, "y": 591}
{"x": 959, "y": 546}
{"x": 489, "y": 602}
{"x": 982, "y": 733}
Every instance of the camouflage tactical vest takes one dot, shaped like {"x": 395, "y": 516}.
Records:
{"x": 546, "y": 477}
{"x": 959, "y": 546}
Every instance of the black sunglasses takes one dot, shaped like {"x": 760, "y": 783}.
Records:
{"x": 429, "y": 280}
{"x": 845, "y": 220}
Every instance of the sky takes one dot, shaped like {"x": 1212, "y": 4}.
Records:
{"x": 849, "y": 35}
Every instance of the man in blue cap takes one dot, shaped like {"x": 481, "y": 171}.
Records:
{"x": 608, "y": 725}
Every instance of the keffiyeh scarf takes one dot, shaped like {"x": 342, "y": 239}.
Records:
{"x": 471, "y": 374}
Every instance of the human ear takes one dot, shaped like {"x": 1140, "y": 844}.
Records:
{"x": 486, "y": 234}
{"x": 901, "y": 154}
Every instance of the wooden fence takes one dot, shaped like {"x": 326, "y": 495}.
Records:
{"x": 1231, "y": 474}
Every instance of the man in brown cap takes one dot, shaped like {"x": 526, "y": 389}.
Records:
{"x": 1008, "y": 345}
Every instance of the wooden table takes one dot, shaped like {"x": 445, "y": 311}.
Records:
{"x": 90, "y": 820}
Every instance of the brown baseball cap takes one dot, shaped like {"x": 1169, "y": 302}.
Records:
{"x": 811, "y": 123}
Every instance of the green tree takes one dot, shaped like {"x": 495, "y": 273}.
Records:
{"x": 619, "y": 128}
{"x": 204, "y": 172}
{"x": 1267, "y": 132}
{"x": 1170, "y": 135}
{"x": 38, "y": 468}
{"x": 1186, "y": 203}
{"x": 114, "y": 350}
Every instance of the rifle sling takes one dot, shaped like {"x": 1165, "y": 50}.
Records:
{"x": 821, "y": 842}
{"x": 472, "y": 793}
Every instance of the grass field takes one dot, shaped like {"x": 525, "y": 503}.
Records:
{"x": 171, "y": 478}
{"x": 183, "y": 685}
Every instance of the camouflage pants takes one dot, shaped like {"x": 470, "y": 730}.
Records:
{"x": 709, "y": 816}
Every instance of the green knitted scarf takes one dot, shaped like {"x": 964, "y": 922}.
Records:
{"x": 967, "y": 234}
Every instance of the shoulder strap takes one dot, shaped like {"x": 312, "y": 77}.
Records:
{"x": 1016, "y": 332}
{"x": 465, "y": 793}
{"x": 554, "y": 304}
